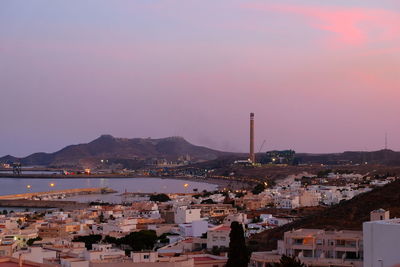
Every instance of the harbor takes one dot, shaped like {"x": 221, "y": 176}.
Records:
{"x": 17, "y": 187}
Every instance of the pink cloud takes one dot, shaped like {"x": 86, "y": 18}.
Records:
{"x": 350, "y": 26}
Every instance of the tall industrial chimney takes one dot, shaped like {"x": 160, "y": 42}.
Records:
{"x": 252, "y": 156}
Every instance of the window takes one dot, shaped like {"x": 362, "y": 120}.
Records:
{"x": 351, "y": 244}
{"x": 146, "y": 257}
{"x": 340, "y": 243}
{"x": 298, "y": 241}
{"x": 352, "y": 255}
{"x": 307, "y": 253}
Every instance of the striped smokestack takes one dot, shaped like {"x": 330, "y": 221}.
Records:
{"x": 252, "y": 156}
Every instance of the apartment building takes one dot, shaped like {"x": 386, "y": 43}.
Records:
{"x": 253, "y": 202}
{"x": 7, "y": 248}
{"x": 120, "y": 225}
{"x": 185, "y": 214}
{"x": 287, "y": 201}
{"x": 316, "y": 247}
{"x": 54, "y": 230}
{"x": 309, "y": 198}
{"x": 218, "y": 237}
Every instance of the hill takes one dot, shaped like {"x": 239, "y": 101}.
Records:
{"x": 346, "y": 215}
{"x": 384, "y": 157}
{"x": 109, "y": 147}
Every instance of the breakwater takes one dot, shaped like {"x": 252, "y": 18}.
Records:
{"x": 57, "y": 194}
{"x": 27, "y": 203}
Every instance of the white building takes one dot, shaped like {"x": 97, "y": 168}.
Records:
{"x": 195, "y": 228}
{"x": 288, "y": 202}
{"x": 103, "y": 252}
{"x": 8, "y": 223}
{"x": 309, "y": 198}
{"x": 120, "y": 225}
{"x": 381, "y": 243}
{"x": 144, "y": 256}
{"x": 218, "y": 237}
{"x": 36, "y": 254}
{"x": 184, "y": 214}
{"x": 316, "y": 247}
{"x": 237, "y": 217}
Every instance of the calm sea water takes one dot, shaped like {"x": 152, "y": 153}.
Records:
{"x": 10, "y": 186}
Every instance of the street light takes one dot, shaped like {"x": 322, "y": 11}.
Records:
{"x": 52, "y": 184}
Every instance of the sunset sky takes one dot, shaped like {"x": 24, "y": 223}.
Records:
{"x": 320, "y": 75}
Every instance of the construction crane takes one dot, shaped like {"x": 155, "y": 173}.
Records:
{"x": 262, "y": 145}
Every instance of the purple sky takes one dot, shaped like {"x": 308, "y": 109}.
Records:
{"x": 321, "y": 76}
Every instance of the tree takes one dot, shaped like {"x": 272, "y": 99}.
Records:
{"x": 101, "y": 218}
{"x": 89, "y": 240}
{"x": 32, "y": 240}
{"x": 239, "y": 194}
{"x": 256, "y": 219}
{"x": 287, "y": 261}
{"x": 208, "y": 201}
{"x": 159, "y": 198}
{"x": 258, "y": 189}
{"x": 215, "y": 250}
{"x": 142, "y": 240}
{"x": 164, "y": 237}
{"x": 111, "y": 240}
{"x": 238, "y": 255}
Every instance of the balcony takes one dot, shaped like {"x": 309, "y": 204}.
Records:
{"x": 302, "y": 246}
{"x": 347, "y": 247}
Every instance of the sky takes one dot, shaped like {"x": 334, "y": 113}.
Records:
{"x": 320, "y": 76}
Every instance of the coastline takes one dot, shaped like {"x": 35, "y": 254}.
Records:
{"x": 232, "y": 184}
